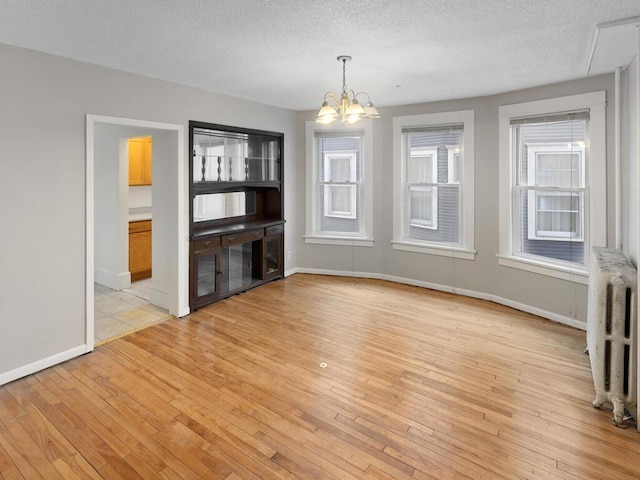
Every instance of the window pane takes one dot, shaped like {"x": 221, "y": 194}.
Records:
{"x": 558, "y": 169}
{"x": 559, "y": 215}
{"x": 340, "y": 201}
{"x": 339, "y": 148}
{"x": 551, "y": 225}
{"x": 560, "y": 223}
{"x": 433, "y": 214}
{"x": 339, "y": 167}
{"x": 560, "y": 202}
{"x": 445, "y": 222}
{"x": 420, "y": 169}
{"x": 421, "y": 203}
{"x": 564, "y": 138}
{"x": 454, "y": 166}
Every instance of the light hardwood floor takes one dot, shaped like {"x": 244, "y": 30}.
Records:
{"x": 417, "y": 385}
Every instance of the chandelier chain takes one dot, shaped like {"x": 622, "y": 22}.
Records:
{"x": 344, "y": 74}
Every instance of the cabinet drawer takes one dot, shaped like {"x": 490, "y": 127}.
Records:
{"x": 141, "y": 226}
{"x": 206, "y": 244}
{"x": 274, "y": 230}
{"x": 242, "y": 237}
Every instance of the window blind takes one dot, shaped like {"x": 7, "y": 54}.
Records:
{"x": 552, "y": 118}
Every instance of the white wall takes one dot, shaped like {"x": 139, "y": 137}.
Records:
{"x": 558, "y": 299}
{"x": 44, "y": 102}
{"x": 165, "y": 217}
{"x": 140, "y": 196}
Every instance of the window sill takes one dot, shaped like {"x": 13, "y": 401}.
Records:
{"x": 455, "y": 252}
{"x": 337, "y": 240}
{"x": 577, "y": 275}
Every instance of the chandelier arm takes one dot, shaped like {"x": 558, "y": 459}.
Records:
{"x": 362, "y": 93}
{"x": 331, "y": 96}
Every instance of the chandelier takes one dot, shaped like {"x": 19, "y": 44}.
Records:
{"x": 347, "y": 106}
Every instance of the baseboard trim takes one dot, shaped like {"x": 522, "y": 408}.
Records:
{"x": 571, "y": 322}
{"x": 34, "y": 367}
{"x": 115, "y": 281}
{"x": 159, "y": 298}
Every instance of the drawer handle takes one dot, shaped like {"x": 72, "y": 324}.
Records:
{"x": 256, "y": 234}
{"x": 206, "y": 244}
{"x": 231, "y": 239}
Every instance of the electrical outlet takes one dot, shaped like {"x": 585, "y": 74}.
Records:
{"x": 289, "y": 255}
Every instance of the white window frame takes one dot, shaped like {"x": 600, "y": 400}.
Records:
{"x": 312, "y": 235}
{"x": 329, "y": 185}
{"x": 534, "y": 233}
{"x": 465, "y": 250}
{"x": 421, "y": 187}
{"x": 595, "y": 220}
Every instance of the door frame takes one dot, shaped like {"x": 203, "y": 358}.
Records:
{"x": 179, "y": 296}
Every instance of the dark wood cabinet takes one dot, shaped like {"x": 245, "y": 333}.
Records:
{"x": 205, "y": 271}
{"x": 236, "y": 210}
{"x": 272, "y": 252}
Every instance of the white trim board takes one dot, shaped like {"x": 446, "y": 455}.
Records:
{"x": 41, "y": 364}
{"x": 571, "y": 322}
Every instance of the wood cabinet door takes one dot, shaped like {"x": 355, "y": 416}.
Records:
{"x": 140, "y": 161}
{"x": 139, "y": 250}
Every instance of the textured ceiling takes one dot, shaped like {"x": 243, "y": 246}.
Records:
{"x": 283, "y": 52}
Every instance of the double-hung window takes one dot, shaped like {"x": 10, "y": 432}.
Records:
{"x": 339, "y": 197}
{"x": 433, "y": 184}
{"x": 553, "y": 184}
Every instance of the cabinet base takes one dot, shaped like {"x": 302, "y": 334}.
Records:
{"x": 140, "y": 275}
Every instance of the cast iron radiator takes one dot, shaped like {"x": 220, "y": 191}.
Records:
{"x": 612, "y": 331}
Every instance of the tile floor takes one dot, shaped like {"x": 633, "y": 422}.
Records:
{"x": 120, "y": 312}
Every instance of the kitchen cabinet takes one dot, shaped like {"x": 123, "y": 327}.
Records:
{"x": 140, "y": 161}
{"x": 236, "y": 210}
{"x": 140, "y": 250}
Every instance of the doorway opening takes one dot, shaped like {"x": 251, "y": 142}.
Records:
{"x": 108, "y": 228}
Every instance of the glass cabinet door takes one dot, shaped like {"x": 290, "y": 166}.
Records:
{"x": 236, "y": 265}
{"x": 272, "y": 256}
{"x": 221, "y": 156}
{"x": 206, "y": 275}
